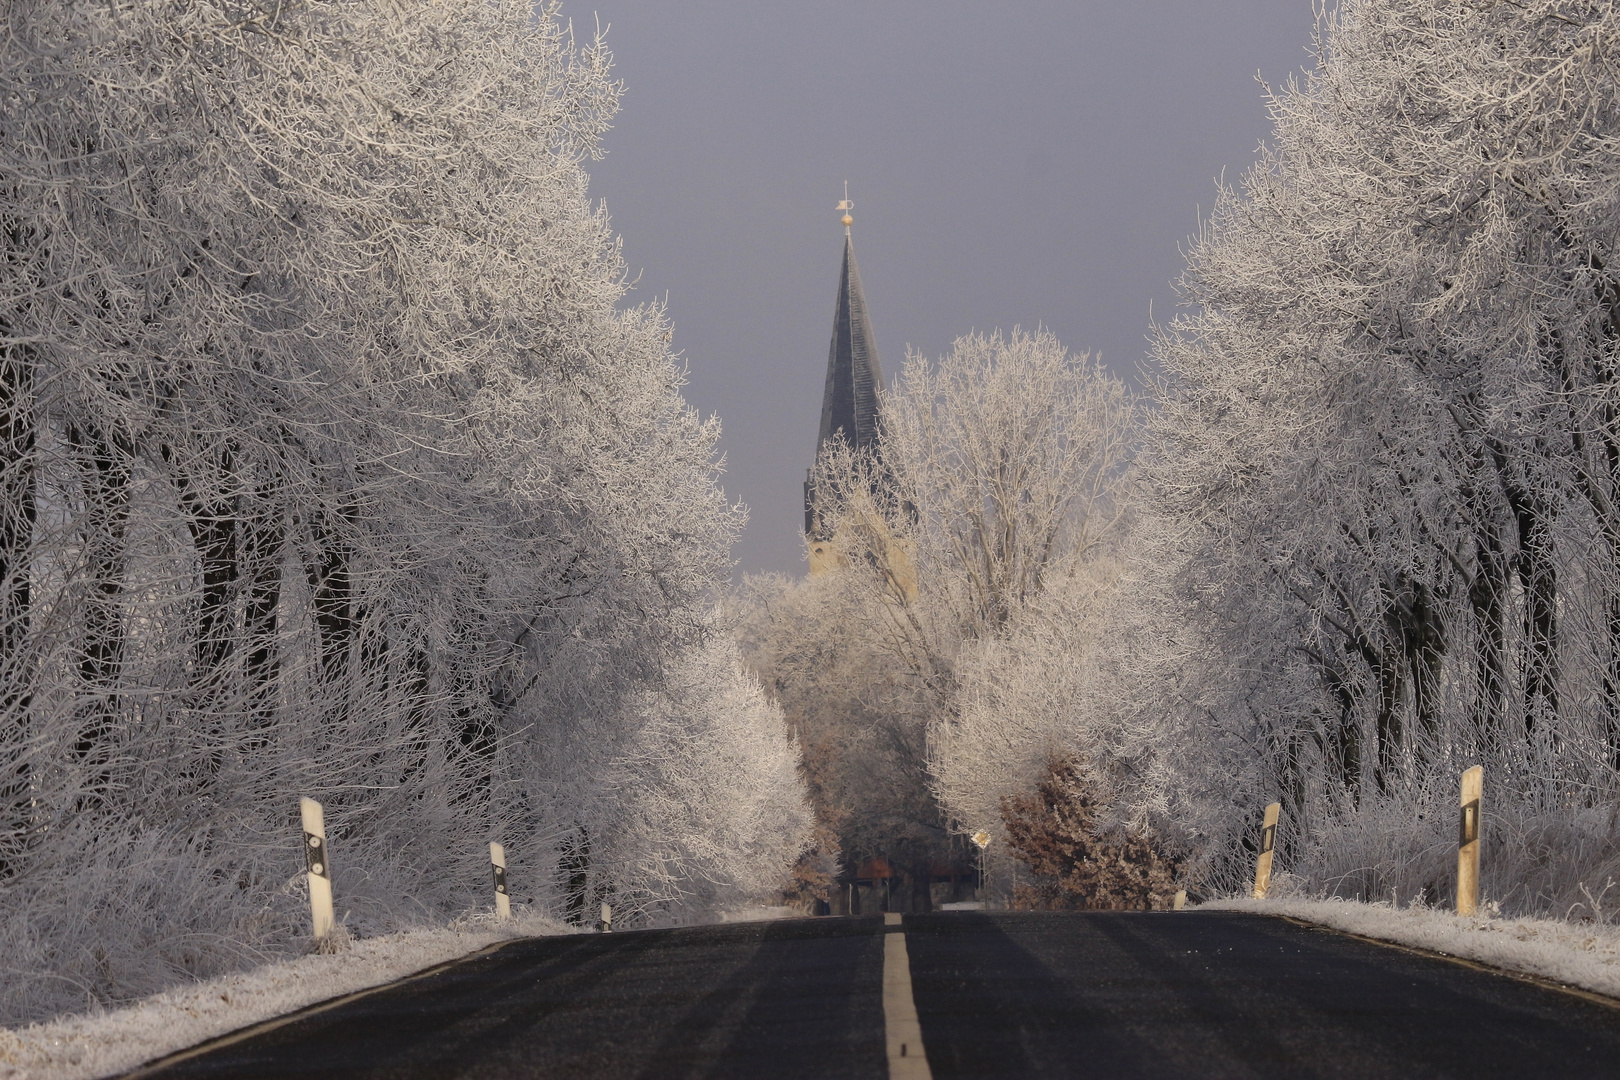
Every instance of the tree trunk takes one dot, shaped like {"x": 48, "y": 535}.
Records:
{"x": 1533, "y": 564}
{"x": 1487, "y": 598}
{"x": 1611, "y": 666}
{"x": 104, "y": 471}
{"x": 332, "y": 588}
{"x": 1596, "y": 453}
{"x": 1539, "y": 577}
{"x": 18, "y": 512}
{"x": 575, "y": 867}
{"x": 263, "y": 543}
{"x": 1423, "y": 644}
{"x": 1388, "y": 730}
{"x": 1341, "y": 742}
{"x": 211, "y": 517}
{"x": 417, "y": 687}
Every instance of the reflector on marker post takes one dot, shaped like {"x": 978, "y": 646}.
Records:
{"x": 1468, "y": 829}
{"x": 319, "y": 865}
{"x": 1268, "y": 840}
{"x": 497, "y": 861}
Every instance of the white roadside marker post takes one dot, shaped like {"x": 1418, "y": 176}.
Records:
{"x": 497, "y": 862}
{"x": 319, "y": 866}
{"x": 1468, "y": 822}
{"x": 607, "y": 917}
{"x": 1180, "y": 901}
{"x": 1268, "y": 840}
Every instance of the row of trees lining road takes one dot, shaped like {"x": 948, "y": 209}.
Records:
{"x": 1388, "y": 458}
{"x": 329, "y": 467}
{"x": 1367, "y": 533}
{"x": 1374, "y": 537}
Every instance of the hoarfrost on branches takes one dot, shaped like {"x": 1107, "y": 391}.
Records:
{"x": 328, "y": 467}
{"x": 1372, "y": 533}
{"x": 994, "y": 503}
{"x": 1385, "y": 462}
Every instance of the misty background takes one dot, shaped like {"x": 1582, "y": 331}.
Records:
{"x": 1036, "y": 163}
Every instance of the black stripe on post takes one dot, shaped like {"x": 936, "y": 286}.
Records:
{"x": 315, "y": 856}
{"x": 1468, "y": 823}
{"x": 500, "y": 878}
{"x": 1268, "y": 837}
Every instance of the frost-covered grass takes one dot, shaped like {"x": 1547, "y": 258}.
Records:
{"x": 1536, "y": 860}
{"x": 1583, "y": 954}
{"x": 100, "y": 1044}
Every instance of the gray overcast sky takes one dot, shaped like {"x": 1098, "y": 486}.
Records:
{"x": 1021, "y": 163}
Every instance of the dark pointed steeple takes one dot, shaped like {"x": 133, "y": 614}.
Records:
{"x": 849, "y": 403}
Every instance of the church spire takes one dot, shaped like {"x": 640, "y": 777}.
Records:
{"x": 849, "y": 403}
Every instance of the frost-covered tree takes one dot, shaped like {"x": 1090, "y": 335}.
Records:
{"x": 859, "y": 718}
{"x": 1046, "y": 689}
{"x": 998, "y": 481}
{"x": 330, "y": 466}
{"x": 704, "y": 806}
{"x": 1384, "y": 464}
{"x": 1006, "y": 458}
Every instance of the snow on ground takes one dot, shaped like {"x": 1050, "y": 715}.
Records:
{"x": 1586, "y": 955}
{"x": 86, "y": 1046}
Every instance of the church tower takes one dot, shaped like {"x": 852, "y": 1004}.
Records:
{"x": 849, "y": 403}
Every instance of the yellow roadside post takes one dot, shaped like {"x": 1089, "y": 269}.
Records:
{"x": 1268, "y": 840}
{"x": 1468, "y": 820}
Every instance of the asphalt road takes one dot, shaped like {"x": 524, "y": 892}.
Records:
{"x": 1093, "y": 994}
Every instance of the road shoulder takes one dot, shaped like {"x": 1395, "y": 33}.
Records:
{"x": 91, "y": 1045}
{"x": 1561, "y": 955}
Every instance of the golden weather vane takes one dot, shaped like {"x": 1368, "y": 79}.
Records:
{"x": 846, "y": 205}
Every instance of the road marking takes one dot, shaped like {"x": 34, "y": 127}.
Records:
{"x": 907, "y": 1059}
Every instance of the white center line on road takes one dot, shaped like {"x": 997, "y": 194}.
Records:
{"x": 907, "y": 1060}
